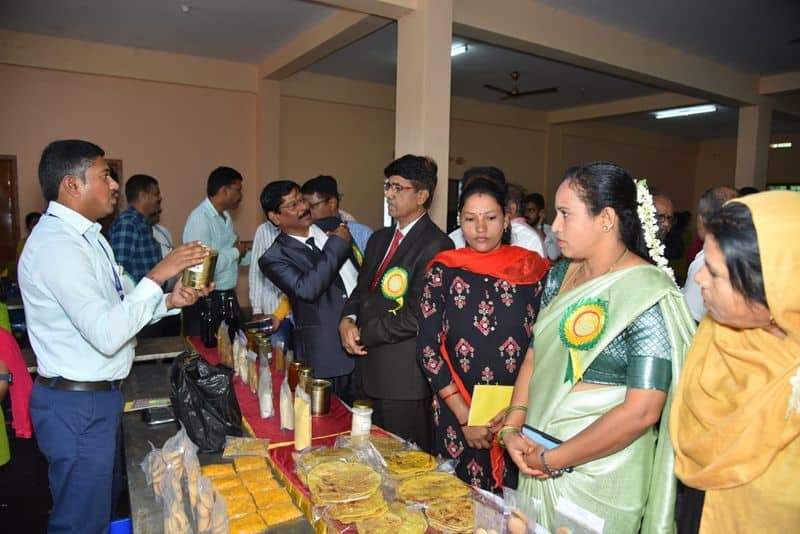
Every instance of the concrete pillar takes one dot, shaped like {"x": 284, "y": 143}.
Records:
{"x": 268, "y": 133}
{"x": 422, "y": 124}
{"x": 752, "y": 145}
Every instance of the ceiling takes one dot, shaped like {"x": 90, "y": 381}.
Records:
{"x": 749, "y": 35}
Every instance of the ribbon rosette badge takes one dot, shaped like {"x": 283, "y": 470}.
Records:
{"x": 394, "y": 286}
{"x": 581, "y": 327}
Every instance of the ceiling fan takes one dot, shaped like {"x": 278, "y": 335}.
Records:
{"x": 515, "y": 92}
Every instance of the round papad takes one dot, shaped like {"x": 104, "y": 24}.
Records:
{"x": 386, "y": 445}
{"x": 398, "y": 520}
{"x": 451, "y": 515}
{"x": 335, "y": 482}
{"x": 407, "y": 463}
{"x": 431, "y": 486}
{"x": 347, "y": 512}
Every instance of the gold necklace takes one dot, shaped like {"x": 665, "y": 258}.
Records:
{"x": 573, "y": 279}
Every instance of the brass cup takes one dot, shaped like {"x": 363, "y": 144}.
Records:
{"x": 320, "y": 391}
{"x": 200, "y": 275}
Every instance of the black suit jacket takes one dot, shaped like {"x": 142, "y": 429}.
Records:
{"x": 390, "y": 369}
{"x": 309, "y": 280}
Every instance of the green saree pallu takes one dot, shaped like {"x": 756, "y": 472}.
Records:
{"x": 635, "y": 487}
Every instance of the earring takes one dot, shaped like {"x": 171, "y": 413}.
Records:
{"x": 606, "y": 228}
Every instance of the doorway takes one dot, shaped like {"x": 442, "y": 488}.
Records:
{"x": 9, "y": 213}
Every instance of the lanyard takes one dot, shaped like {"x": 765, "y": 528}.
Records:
{"x": 117, "y": 281}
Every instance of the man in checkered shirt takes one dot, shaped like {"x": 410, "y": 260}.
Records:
{"x": 130, "y": 234}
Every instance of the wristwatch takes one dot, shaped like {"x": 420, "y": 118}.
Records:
{"x": 8, "y": 377}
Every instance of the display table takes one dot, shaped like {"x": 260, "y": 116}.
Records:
{"x": 151, "y": 379}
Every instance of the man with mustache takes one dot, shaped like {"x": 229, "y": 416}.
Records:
{"x": 82, "y": 317}
{"x": 313, "y": 270}
{"x": 379, "y": 322}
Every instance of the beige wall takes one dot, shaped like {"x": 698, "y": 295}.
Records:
{"x": 666, "y": 162}
{"x": 783, "y": 165}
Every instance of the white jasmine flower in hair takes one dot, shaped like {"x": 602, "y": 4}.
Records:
{"x": 646, "y": 210}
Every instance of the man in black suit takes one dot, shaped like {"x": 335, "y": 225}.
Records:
{"x": 313, "y": 269}
{"x": 379, "y": 321}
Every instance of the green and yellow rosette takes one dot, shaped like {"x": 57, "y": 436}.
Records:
{"x": 394, "y": 286}
{"x": 581, "y": 327}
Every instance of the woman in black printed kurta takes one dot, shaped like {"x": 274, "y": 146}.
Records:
{"x": 482, "y": 302}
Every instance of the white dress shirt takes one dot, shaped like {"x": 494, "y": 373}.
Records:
{"x": 264, "y": 295}
{"x": 347, "y": 272}
{"x": 550, "y": 242}
{"x": 522, "y": 235}
{"x": 164, "y": 239}
{"x": 691, "y": 289}
{"x": 79, "y": 327}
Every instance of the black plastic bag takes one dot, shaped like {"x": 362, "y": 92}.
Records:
{"x": 204, "y": 401}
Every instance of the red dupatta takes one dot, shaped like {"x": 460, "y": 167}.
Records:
{"x": 514, "y": 264}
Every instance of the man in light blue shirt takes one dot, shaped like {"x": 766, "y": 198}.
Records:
{"x": 82, "y": 321}
{"x": 211, "y": 223}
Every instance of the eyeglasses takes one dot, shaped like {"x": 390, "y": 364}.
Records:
{"x": 396, "y": 188}
{"x": 665, "y": 217}
{"x": 313, "y": 205}
{"x": 292, "y": 206}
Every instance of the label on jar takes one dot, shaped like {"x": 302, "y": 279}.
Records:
{"x": 362, "y": 422}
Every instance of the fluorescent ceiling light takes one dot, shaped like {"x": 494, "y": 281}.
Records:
{"x": 784, "y": 144}
{"x": 458, "y": 49}
{"x": 683, "y": 112}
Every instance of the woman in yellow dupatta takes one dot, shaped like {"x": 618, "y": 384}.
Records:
{"x": 736, "y": 417}
{"x": 608, "y": 348}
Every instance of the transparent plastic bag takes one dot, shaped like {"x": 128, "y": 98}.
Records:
{"x": 286, "y": 405}
{"x": 576, "y": 520}
{"x": 154, "y": 468}
{"x": 224, "y": 347}
{"x": 488, "y": 509}
{"x": 219, "y": 515}
{"x": 191, "y": 470}
{"x": 175, "y": 519}
{"x": 266, "y": 406}
{"x": 522, "y": 511}
{"x": 252, "y": 371}
{"x": 236, "y": 446}
{"x": 204, "y": 505}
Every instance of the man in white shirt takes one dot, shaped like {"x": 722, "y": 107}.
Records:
{"x": 82, "y": 322}
{"x": 535, "y": 215}
{"x": 710, "y": 201}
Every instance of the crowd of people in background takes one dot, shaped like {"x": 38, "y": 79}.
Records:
{"x": 588, "y": 313}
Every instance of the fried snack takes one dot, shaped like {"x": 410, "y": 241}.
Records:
{"x": 255, "y": 485}
{"x": 451, "y": 515}
{"x": 255, "y": 476}
{"x": 205, "y": 503}
{"x": 239, "y": 506}
{"x": 431, "y": 486}
{"x": 157, "y": 469}
{"x": 175, "y": 520}
{"x": 386, "y": 445}
{"x": 217, "y": 470}
{"x": 397, "y": 520}
{"x": 235, "y": 446}
{"x": 247, "y": 524}
{"x": 249, "y": 463}
{"x": 234, "y": 492}
{"x": 307, "y": 461}
{"x": 335, "y": 482}
{"x": 348, "y": 512}
{"x": 280, "y": 513}
{"x": 225, "y": 482}
{"x": 265, "y": 498}
{"x": 407, "y": 463}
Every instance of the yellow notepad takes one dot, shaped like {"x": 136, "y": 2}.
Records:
{"x": 487, "y": 401}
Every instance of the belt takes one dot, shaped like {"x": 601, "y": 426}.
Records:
{"x": 58, "y": 382}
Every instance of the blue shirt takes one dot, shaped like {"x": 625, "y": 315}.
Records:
{"x": 216, "y": 231}
{"x": 134, "y": 245}
{"x": 78, "y": 325}
{"x": 360, "y": 233}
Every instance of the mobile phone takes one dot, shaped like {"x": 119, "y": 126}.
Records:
{"x": 158, "y": 415}
{"x": 543, "y": 439}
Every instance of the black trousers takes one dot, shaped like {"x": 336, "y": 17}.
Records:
{"x": 412, "y": 420}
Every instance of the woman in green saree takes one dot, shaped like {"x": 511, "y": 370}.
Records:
{"x": 607, "y": 351}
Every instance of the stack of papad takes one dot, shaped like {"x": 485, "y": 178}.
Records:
{"x": 335, "y": 482}
{"x": 387, "y": 445}
{"x": 307, "y": 461}
{"x": 404, "y": 464}
{"x": 398, "y": 520}
{"x": 347, "y": 512}
{"x": 431, "y": 486}
{"x": 451, "y": 515}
